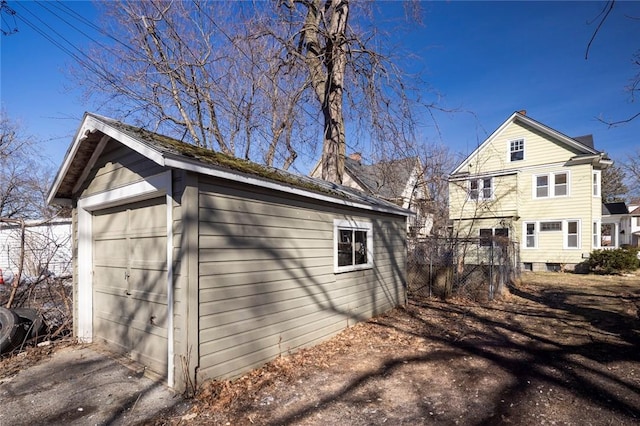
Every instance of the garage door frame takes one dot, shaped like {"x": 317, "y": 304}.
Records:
{"x": 152, "y": 187}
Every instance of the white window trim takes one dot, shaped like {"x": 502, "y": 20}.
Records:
{"x": 353, "y": 225}
{"x": 536, "y": 228}
{"x": 551, "y": 187}
{"x": 598, "y": 175}
{"x": 565, "y": 234}
{"x": 481, "y": 189}
{"x": 524, "y": 150}
{"x": 598, "y": 235}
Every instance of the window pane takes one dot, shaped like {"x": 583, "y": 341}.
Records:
{"x": 486, "y": 188}
{"x": 573, "y": 227}
{"x": 531, "y": 235}
{"x": 531, "y": 241}
{"x": 560, "y": 184}
{"x": 501, "y": 236}
{"x": 572, "y": 241}
{"x": 473, "y": 189}
{"x": 360, "y": 247}
{"x": 542, "y": 186}
{"x": 516, "y": 149}
{"x": 550, "y": 226}
{"x": 485, "y": 237}
{"x": 345, "y": 251}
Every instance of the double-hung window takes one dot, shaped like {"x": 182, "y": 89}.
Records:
{"x": 481, "y": 189}
{"x": 530, "y": 235}
{"x": 572, "y": 234}
{"x": 353, "y": 245}
{"x": 516, "y": 150}
{"x": 596, "y": 182}
{"x": 551, "y": 185}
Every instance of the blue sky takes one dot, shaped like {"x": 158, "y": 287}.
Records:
{"x": 487, "y": 59}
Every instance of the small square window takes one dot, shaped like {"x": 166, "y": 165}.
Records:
{"x": 353, "y": 248}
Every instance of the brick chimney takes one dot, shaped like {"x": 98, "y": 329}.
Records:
{"x": 522, "y": 112}
{"x": 356, "y": 156}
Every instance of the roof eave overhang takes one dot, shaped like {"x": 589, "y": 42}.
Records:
{"x": 596, "y": 160}
{"x": 91, "y": 124}
{"x": 178, "y": 162}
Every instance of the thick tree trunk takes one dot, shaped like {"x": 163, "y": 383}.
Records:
{"x": 326, "y": 66}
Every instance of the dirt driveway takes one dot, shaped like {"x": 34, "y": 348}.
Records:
{"x": 77, "y": 385}
{"x": 560, "y": 349}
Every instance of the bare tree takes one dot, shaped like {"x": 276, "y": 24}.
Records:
{"x": 634, "y": 86}
{"x": 438, "y": 161}
{"x": 257, "y": 81}
{"x": 613, "y": 187}
{"x": 632, "y": 169}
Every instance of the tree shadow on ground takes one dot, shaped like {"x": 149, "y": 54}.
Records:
{"x": 569, "y": 341}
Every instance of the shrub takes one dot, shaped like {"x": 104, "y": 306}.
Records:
{"x": 614, "y": 261}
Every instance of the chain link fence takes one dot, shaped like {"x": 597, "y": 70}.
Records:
{"x": 473, "y": 268}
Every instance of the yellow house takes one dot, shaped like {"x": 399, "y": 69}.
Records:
{"x": 534, "y": 185}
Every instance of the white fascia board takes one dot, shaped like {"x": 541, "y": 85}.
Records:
{"x": 530, "y": 122}
{"x": 487, "y": 141}
{"x": 556, "y": 134}
{"x": 89, "y": 125}
{"x": 250, "y": 180}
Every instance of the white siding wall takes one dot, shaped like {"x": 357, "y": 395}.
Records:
{"x": 47, "y": 246}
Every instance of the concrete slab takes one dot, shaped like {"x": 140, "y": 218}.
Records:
{"x": 82, "y": 386}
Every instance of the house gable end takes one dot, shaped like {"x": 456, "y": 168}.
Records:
{"x": 520, "y": 127}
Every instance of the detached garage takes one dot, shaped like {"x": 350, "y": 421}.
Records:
{"x": 196, "y": 264}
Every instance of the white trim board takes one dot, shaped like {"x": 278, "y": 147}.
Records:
{"x": 154, "y": 186}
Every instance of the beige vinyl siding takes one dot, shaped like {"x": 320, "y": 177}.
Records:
{"x": 539, "y": 149}
{"x": 579, "y": 205}
{"x": 118, "y": 166}
{"x": 266, "y": 276}
{"x": 503, "y": 203}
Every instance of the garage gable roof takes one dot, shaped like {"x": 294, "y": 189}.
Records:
{"x": 95, "y": 131}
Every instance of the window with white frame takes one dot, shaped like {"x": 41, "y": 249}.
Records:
{"x": 516, "y": 150}
{"x": 481, "y": 189}
{"x": 596, "y": 234}
{"x": 542, "y": 186}
{"x": 550, "y": 226}
{"x": 530, "y": 236}
{"x": 596, "y": 183}
{"x": 353, "y": 245}
{"x": 572, "y": 234}
{"x": 551, "y": 185}
{"x": 560, "y": 184}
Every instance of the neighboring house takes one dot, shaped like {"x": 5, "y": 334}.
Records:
{"x": 536, "y": 186}
{"x": 47, "y": 247}
{"x": 398, "y": 181}
{"x": 204, "y": 266}
{"x": 616, "y": 225}
{"x": 620, "y": 225}
{"x": 634, "y": 218}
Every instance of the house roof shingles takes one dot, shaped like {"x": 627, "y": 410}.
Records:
{"x": 386, "y": 179}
